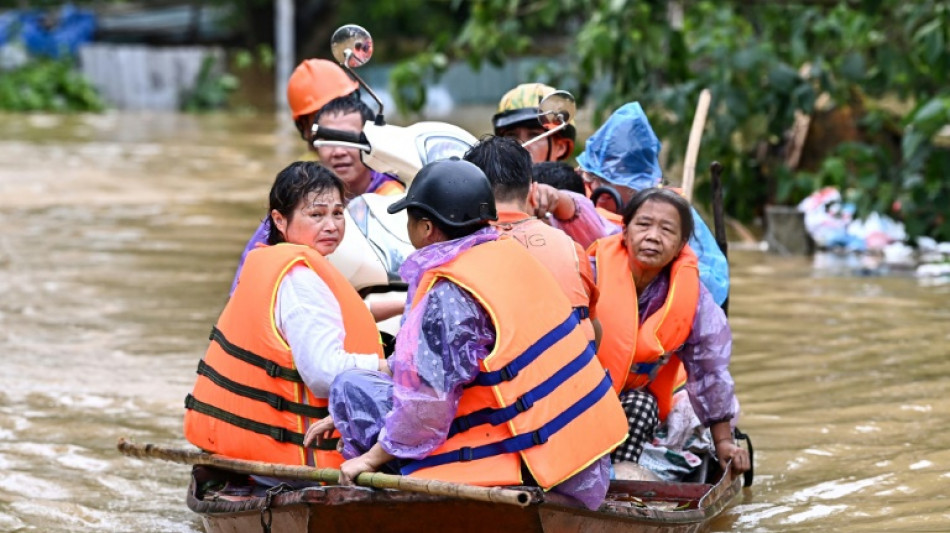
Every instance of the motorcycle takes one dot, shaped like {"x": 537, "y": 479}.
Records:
{"x": 376, "y": 243}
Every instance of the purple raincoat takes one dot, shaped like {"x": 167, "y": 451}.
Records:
{"x": 438, "y": 351}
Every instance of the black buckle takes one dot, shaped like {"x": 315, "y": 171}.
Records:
{"x": 462, "y": 424}
{"x": 583, "y": 312}
{"x": 272, "y": 369}
{"x": 523, "y": 404}
{"x": 507, "y": 374}
{"x": 214, "y": 329}
{"x": 465, "y": 454}
{"x": 277, "y": 402}
{"x": 278, "y": 434}
{"x": 189, "y": 401}
{"x": 538, "y": 438}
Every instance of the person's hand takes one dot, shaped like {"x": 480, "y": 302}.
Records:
{"x": 321, "y": 431}
{"x": 543, "y": 199}
{"x": 384, "y": 367}
{"x": 727, "y": 450}
{"x": 352, "y": 468}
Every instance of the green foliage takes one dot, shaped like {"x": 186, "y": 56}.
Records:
{"x": 212, "y": 89}
{"x": 763, "y": 62}
{"x": 47, "y": 85}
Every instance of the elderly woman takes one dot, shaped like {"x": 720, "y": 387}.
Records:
{"x": 661, "y": 326}
{"x": 292, "y": 325}
{"x": 623, "y": 154}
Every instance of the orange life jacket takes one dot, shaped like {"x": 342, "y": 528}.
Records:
{"x": 644, "y": 355}
{"x": 541, "y": 397}
{"x": 390, "y": 188}
{"x": 610, "y": 216}
{"x": 557, "y": 252}
{"x": 249, "y": 402}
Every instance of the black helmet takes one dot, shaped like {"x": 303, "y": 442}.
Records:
{"x": 454, "y": 192}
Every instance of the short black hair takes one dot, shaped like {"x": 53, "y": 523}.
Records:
{"x": 292, "y": 185}
{"x": 451, "y": 232}
{"x": 344, "y": 105}
{"x": 666, "y": 196}
{"x": 559, "y": 175}
{"x": 506, "y": 164}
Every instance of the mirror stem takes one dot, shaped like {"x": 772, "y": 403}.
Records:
{"x": 346, "y": 65}
{"x": 544, "y": 135}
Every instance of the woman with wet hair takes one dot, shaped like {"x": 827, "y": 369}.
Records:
{"x": 292, "y": 325}
{"x": 661, "y": 327}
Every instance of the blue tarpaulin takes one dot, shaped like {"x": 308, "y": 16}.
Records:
{"x": 48, "y": 34}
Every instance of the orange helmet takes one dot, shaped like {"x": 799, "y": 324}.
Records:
{"x": 314, "y": 83}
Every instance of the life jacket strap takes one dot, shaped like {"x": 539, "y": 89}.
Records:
{"x": 518, "y": 442}
{"x": 509, "y": 371}
{"x": 526, "y": 401}
{"x": 274, "y": 400}
{"x": 271, "y": 368}
{"x": 275, "y": 432}
{"x": 650, "y": 370}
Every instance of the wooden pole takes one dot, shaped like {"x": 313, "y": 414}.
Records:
{"x": 521, "y": 498}
{"x": 692, "y": 147}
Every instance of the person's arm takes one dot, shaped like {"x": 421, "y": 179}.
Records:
{"x": 259, "y": 237}
{"x": 584, "y": 225}
{"x": 706, "y": 355}
{"x": 386, "y": 309}
{"x": 309, "y": 317}
{"x": 437, "y": 353}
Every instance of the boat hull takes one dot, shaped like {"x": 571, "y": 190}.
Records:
{"x": 632, "y": 507}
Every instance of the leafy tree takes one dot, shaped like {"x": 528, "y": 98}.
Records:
{"x": 763, "y": 62}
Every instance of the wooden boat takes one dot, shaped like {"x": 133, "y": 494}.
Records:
{"x": 631, "y": 507}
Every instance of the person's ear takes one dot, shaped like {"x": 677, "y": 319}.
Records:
{"x": 279, "y": 222}
{"x": 562, "y": 148}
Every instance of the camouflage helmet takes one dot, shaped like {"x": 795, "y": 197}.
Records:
{"x": 519, "y": 107}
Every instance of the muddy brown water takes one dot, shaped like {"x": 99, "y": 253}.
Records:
{"x": 119, "y": 238}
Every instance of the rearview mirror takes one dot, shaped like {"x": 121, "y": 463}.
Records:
{"x": 351, "y": 45}
{"x": 556, "y": 110}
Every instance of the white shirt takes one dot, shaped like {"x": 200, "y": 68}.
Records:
{"x": 309, "y": 317}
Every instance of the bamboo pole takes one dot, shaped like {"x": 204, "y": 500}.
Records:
{"x": 376, "y": 480}
{"x": 692, "y": 147}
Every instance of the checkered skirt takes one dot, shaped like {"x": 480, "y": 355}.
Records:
{"x": 642, "y": 419}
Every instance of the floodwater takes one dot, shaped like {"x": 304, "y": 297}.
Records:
{"x": 119, "y": 238}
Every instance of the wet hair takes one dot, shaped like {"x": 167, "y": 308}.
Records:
{"x": 294, "y": 184}
{"x": 345, "y": 105}
{"x": 666, "y": 196}
{"x": 506, "y": 164}
{"x": 559, "y": 175}
{"x": 451, "y": 232}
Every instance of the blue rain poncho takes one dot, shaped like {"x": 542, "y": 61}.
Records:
{"x": 625, "y": 151}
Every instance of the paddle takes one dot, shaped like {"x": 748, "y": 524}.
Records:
{"x": 376, "y": 480}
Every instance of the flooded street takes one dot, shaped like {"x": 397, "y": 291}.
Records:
{"x": 120, "y": 235}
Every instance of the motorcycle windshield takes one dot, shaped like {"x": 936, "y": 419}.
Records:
{"x": 385, "y": 233}
{"x": 439, "y": 147}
